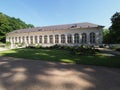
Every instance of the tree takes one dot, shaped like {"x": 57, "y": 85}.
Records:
{"x": 115, "y": 28}
{"x": 106, "y": 36}
{"x": 8, "y": 24}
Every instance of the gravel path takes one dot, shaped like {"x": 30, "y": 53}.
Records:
{"x": 23, "y": 74}
{"x": 2, "y": 49}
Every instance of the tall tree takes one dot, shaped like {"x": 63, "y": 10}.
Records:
{"x": 115, "y": 28}
{"x": 8, "y": 24}
{"x": 106, "y": 36}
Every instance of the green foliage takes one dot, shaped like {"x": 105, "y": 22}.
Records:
{"x": 115, "y": 28}
{"x": 62, "y": 56}
{"x": 8, "y": 24}
{"x": 84, "y": 50}
{"x": 8, "y": 44}
{"x": 38, "y": 46}
{"x": 112, "y": 35}
{"x": 74, "y": 50}
{"x": 106, "y": 36}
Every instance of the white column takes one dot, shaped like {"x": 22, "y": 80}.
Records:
{"x": 66, "y": 38}
{"x": 33, "y": 39}
{"x": 53, "y": 39}
{"x": 48, "y": 38}
{"x": 88, "y": 38}
{"x": 38, "y": 39}
{"x": 42, "y": 39}
{"x": 59, "y": 38}
{"x": 73, "y": 38}
{"x": 97, "y": 38}
{"x": 7, "y": 39}
{"x": 80, "y": 39}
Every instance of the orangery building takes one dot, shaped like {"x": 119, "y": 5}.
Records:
{"x": 67, "y": 34}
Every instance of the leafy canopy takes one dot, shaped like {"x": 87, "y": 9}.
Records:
{"x": 8, "y": 24}
{"x": 112, "y": 35}
{"x": 115, "y": 28}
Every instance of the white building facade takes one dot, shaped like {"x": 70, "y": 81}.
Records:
{"x": 68, "y": 34}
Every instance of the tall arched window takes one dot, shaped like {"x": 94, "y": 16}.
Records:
{"x": 45, "y": 39}
{"x": 92, "y": 37}
{"x": 84, "y": 38}
{"x": 76, "y": 38}
{"x": 40, "y": 39}
{"x": 19, "y": 39}
{"x": 62, "y": 38}
{"x": 16, "y": 39}
{"x": 23, "y": 39}
{"x": 13, "y": 39}
{"x": 56, "y": 38}
{"x": 51, "y": 38}
{"x": 69, "y": 38}
{"x": 31, "y": 39}
{"x": 36, "y": 38}
{"x": 27, "y": 39}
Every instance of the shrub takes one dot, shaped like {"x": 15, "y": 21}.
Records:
{"x": 83, "y": 50}
{"x": 8, "y": 44}
{"x": 38, "y": 46}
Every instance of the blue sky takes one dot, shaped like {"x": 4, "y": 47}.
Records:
{"x": 52, "y": 12}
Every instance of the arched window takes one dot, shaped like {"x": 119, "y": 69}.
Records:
{"x": 27, "y": 39}
{"x": 76, "y": 38}
{"x": 84, "y": 38}
{"x": 45, "y": 39}
{"x": 40, "y": 39}
{"x": 23, "y": 39}
{"x": 92, "y": 37}
{"x": 51, "y": 38}
{"x": 62, "y": 38}
{"x": 19, "y": 39}
{"x": 16, "y": 39}
{"x": 13, "y": 39}
{"x": 69, "y": 38}
{"x": 36, "y": 39}
{"x": 56, "y": 38}
{"x": 31, "y": 39}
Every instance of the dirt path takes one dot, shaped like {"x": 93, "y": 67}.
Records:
{"x": 109, "y": 52}
{"x": 3, "y": 49}
{"x": 22, "y": 74}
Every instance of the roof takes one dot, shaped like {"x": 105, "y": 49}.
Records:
{"x": 58, "y": 27}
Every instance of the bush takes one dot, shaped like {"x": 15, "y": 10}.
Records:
{"x": 8, "y": 44}
{"x": 38, "y": 46}
{"x": 74, "y": 50}
{"x": 60, "y": 47}
{"x": 83, "y": 50}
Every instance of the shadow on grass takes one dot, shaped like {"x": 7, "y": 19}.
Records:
{"x": 62, "y": 56}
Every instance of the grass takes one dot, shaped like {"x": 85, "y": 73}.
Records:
{"x": 62, "y": 56}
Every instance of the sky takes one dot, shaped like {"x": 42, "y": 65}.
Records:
{"x": 55, "y": 12}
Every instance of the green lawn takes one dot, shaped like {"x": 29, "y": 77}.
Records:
{"x": 62, "y": 56}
